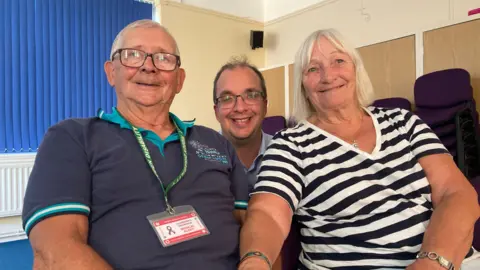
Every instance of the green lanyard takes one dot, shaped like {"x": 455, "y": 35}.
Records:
{"x": 148, "y": 158}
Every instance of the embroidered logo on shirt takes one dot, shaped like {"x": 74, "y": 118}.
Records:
{"x": 207, "y": 153}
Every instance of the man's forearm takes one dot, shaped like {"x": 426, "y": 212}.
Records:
{"x": 450, "y": 231}
{"x": 70, "y": 256}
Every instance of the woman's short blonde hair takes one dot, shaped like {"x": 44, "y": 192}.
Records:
{"x": 302, "y": 107}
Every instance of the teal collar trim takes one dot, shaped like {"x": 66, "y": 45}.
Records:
{"x": 116, "y": 118}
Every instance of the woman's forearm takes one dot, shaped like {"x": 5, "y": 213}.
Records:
{"x": 261, "y": 233}
{"x": 450, "y": 231}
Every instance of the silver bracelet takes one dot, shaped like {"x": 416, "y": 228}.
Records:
{"x": 435, "y": 257}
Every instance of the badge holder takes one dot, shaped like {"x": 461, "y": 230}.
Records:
{"x": 184, "y": 225}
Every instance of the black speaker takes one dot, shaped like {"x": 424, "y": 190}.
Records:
{"x": 256, "y": 39}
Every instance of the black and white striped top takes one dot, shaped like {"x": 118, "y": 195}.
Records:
{"x": 356, "y": 210}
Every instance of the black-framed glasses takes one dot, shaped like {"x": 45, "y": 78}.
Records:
{"x": 228, "y": 101}
{"x": 136, "y": 58}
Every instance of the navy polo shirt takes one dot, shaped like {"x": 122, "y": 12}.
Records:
{"x": 96, "y": 168}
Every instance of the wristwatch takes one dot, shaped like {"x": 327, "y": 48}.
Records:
{"x": 435, "y": 257}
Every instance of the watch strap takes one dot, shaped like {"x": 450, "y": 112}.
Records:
{"x": 435, "y": 257}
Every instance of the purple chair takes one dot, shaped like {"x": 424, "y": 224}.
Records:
{"x": 273, "y": 124}
{"x": 291, "y": 247}
{"x": 443, "y": 88}
{"x": 394, "y": 102}
{"x": 468, "y": 144}
{"x": 439, "y": 96}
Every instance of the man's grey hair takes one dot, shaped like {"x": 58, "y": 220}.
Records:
{"x": 117, "y": 43}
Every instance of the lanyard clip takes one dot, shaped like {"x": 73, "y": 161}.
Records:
{"x": 170, "y": 209}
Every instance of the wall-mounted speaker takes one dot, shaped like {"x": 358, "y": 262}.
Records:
{"x": 256, "y": 39}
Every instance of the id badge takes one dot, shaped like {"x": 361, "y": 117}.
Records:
{"x": 183, "y": 226}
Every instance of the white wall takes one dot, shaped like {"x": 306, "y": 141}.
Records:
{"x": 259, "y": 10}
{"x": 247, "y": 9}
{"x": 379, "y": 20}
{"x": 278, "y": 8}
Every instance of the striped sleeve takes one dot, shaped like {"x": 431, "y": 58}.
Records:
{"x": 281, "y": 171}
{"x": 423, "y": 140}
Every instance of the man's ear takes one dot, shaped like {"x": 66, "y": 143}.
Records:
{"x": 266, "y": 107}
{"x": 110, "y": 72}
{"x": 180, "y": 79}
{"x": 215, "y": 109}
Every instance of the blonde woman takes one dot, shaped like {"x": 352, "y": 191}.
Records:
{"x": 372, "y": 188}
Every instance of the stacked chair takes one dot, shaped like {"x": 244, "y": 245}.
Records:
{"x": 444, "y": 100}
{"x": 468, "y": 143}
{"x": 439, "y": 98}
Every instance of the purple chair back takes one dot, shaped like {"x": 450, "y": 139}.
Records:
{"x": 395, "y": 102}
{"x": 444, "y": 88}
{"x": 273, "y": 124}
{"x": 439, "y": 96}
{"x": 291, "y": 247}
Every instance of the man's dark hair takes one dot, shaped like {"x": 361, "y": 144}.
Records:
{"x": 239, "y": 63}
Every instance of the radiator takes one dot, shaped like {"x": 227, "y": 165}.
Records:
{"x": 14, "y": 172}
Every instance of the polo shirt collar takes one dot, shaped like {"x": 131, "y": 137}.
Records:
{"x": 266, "y": 138}
{"x": 117, "y": 118}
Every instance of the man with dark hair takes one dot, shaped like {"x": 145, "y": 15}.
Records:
{"x": 240, "y": 99}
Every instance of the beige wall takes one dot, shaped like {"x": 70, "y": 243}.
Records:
{"x": 391, "y": 67}
{"x": 380, "y": 20}
{"x": 275, "y": 83}
{"x": 207, "y": 40}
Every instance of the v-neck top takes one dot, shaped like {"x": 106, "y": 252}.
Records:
{"x": 378, "y": 137}
{"x": 355, "y": 209}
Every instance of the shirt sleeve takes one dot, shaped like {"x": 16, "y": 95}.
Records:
{"x": 281, "y": 171}
{"x": 423, "y": 140}
{"x": 60, "y": 180}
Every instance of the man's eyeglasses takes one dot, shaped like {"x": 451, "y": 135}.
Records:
{"x": 135, "y": 58}
{"x": 228, "y": 101}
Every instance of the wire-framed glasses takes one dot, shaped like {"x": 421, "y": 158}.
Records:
{"x": 228, "y": 101}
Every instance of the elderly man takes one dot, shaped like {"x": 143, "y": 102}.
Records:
{"x": 240, "y": 98}
{"x": 137, "y": 188}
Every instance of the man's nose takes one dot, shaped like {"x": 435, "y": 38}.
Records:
{"x": 148, "y": 65}
{"x": 240, "y": 104}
